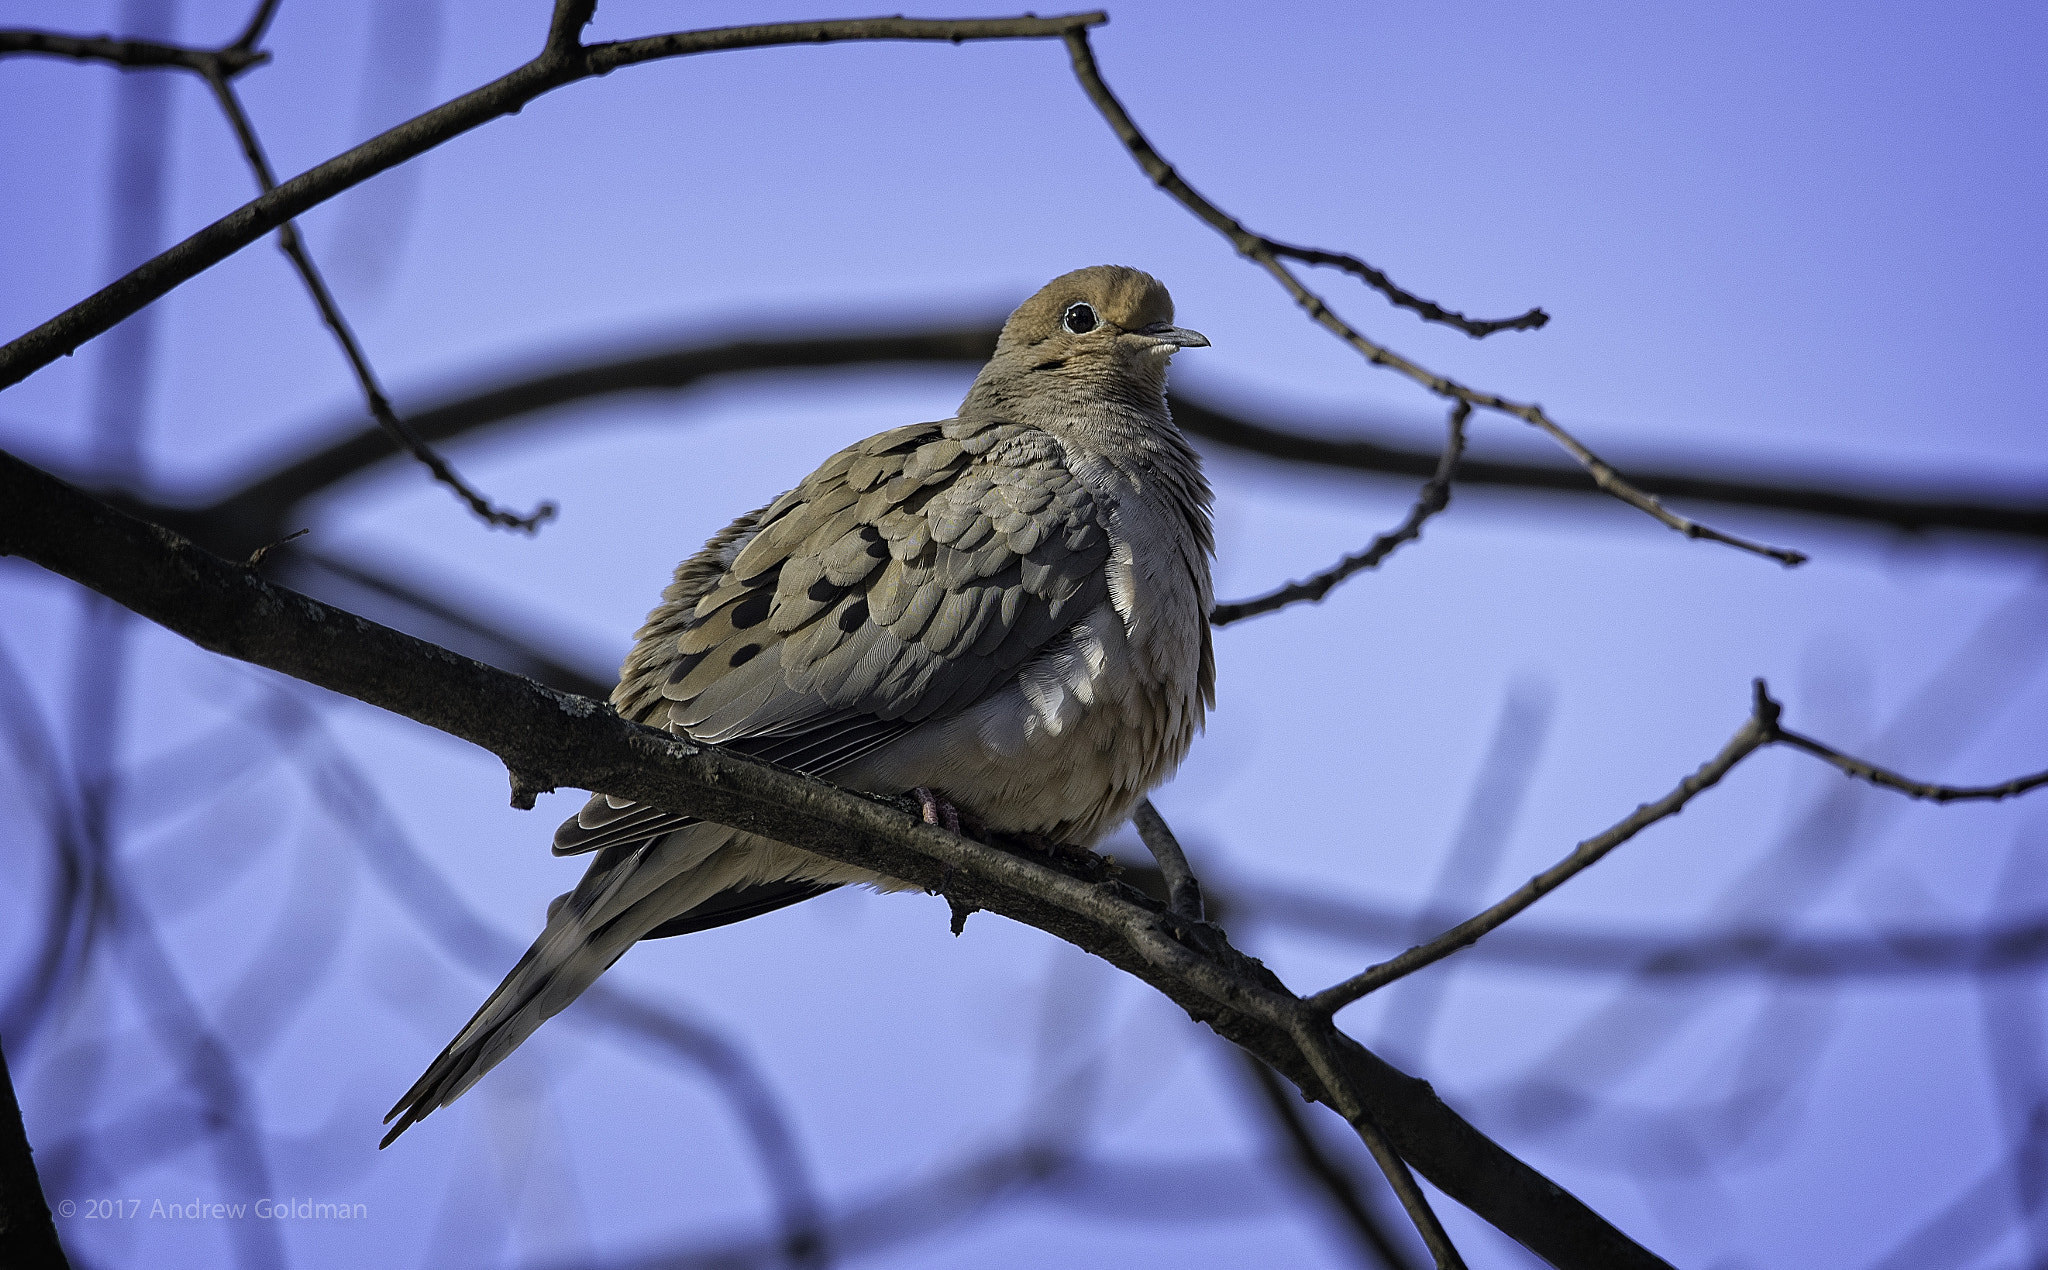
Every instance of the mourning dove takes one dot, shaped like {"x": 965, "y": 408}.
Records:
{"x": 1006, "y": 611}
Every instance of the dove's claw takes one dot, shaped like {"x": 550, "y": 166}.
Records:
{"x": 937, "y": 810}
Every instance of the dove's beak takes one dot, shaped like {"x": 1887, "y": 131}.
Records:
{"x": 1167, "y": 338}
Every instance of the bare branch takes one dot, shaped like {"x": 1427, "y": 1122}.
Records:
{"x": 1184, "y": 893}
{"x": 28, "y": 1238}
{"x": 1413, "y": 1201}
{"x": 1435, "y": 496}
{"x": 259, "y": 22}
{"x": 1328, "y": 1174}
{"x": 503, "y": 96}
{"x": 1887, "y": 779}
{"x": 1267, "y": 254}
{"x": 1477, "y": 328}
{"x": 565, "y": 28}
{"x": 1255, "y": 245}
{"x": 134, "y": 54}
{"x": 1316, "y": 1037}
{"x": 1761, "y": 730}
{"x": 1754, "y": 734}
{"x": 373, "y": 393}
{"x": 548, "y": 739}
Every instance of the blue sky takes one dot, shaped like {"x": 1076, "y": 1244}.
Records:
{"x": 1804, "y": 241}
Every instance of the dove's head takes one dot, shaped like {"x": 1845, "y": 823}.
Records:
{"x": 1105, "y": 331}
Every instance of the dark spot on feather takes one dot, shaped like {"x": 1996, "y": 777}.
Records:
{"x": 766, "y": 578}
{"x": 1051, "y": 363}
{"x": 853, "y": 616}
{"x": 744, "y": 655}
{"x": 683, "y": 666}
{"x": 824, "y": 592}
{"x": 878, "y": 546}
{"x": 751, "y": 611}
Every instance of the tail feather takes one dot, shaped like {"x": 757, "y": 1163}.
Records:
{"x": 624, "y": 896}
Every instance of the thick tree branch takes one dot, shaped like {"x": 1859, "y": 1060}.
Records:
{"x": 548, "y": 739}
{"x": 557, "y": 66}
{"x": 1269, "y": 257}
{"x": 28, "y": 1238}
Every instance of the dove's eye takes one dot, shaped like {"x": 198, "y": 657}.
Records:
{"x": 1079, "y": 319}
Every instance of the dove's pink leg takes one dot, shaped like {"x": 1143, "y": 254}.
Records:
{"x": 938, "y": 810}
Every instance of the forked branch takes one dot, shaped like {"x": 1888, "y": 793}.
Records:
{"x": 1270, "y": 255}
{"x": 1760, "y": 730}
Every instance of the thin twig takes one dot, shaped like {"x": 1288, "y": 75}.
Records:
{"x": 134, "y": 54}
{"x": 1435, "y": 496}
{"x": 1413, "y": 1201}
{"x": 1183, "y": 891}
{"x": 1328, "y": 1174}
{"x": 1477, "y": 328}
{"x": 1761, "y": 730}
{"x": 1754, "y": 734}
{"x": 1887, "y": 779}
{"x": 1269, "y": 256}
{"x": 1315, "y": 1036}
{"x": 1257, "y": 245}
{"x": 294, "y": 246}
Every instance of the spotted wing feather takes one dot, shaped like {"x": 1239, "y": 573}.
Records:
{"x": 907, "y": 578}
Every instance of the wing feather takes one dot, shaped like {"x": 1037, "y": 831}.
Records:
{"x": 907, "y": 578}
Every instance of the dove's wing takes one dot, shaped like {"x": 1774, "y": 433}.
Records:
{"x": 906, "y": 579}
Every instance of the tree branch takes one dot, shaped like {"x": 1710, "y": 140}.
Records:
{"x": 1255, "y": 245}
{"x": 226, "y": 62}
{"x": 1329, "y": 1175}
{"x": 1886, "y": 779}
{"x": 549, "y": 739}
{"x": 252, "y": 33}
{"x": 1267, "y": 254}
{"x": 379, "y": 405}
{"x": 1754, "y": 734}
{"x": 1435, "y": 496}
{"x": 28, "y": 1238}
{"x": 555, "y": 67}
{"x": 1183, "y": 891}
{"x": 1759, "y": 731}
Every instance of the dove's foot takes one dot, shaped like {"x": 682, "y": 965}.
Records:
{"x": 938, "y": 810}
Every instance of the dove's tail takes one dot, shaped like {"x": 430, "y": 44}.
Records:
{"x": 628, "y": 892}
